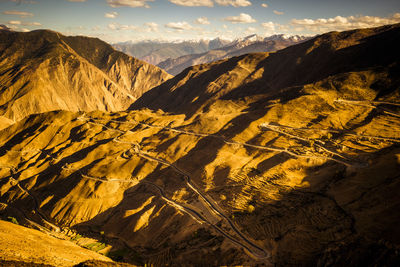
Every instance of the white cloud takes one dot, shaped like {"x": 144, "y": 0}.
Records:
{"x": 340, "y": 23}
{"x": 278, "y": 12}
{"x": 283, "y": 28}
{"x": 250, "y": 30}
{"x": 147, "y": 27}
{"x": 208, "y": 3}
{"x": 270, "y": 26}
{"x": 24, "y": 1}
{"x": 242, "y": 18}
{"x": 96, "y": 28}
{"x": 22, "y": 14}
{"x": 234, "y": 3}
{"x": 74, "y": 29}
{"x": 129, "y": 3}
{"x": 12, "y": 27}
{"x": 111, "y": 15}
{"x": 264, "y": 5}
{"x": 77, "y": 0}
{"x": 18, "y": 22}
{"x": 15, "y": 22}
{"x": 151, "y": 27}
{"x": 113, "y": 26}
{"x": 202, "y": 20}
{"x": 120, "y": 27}
{"x": 180, "y": 26}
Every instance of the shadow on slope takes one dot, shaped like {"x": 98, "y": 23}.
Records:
{"x": 316, "y": 59}
{"x": 343, "y": 217}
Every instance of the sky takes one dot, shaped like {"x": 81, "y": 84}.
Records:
{"x": 136, "y": 20}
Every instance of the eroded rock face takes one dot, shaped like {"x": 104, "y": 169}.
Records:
{"x": 250, "y": 169}
{"x": 44, "y": 70}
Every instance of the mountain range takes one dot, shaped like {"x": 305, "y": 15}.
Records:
{"x": 250, "y": 44}
{"x": 154, "y": 52}
{"x": 284, "y": 158}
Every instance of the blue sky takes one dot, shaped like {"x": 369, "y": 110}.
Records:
{"x": 123, "y": 20}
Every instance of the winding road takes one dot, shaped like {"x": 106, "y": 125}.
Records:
{"x": 250, "y": 246}
{"x": 237, "y": 238}
{"x": 43, "y": 217}
{"x": 253, "y": 249}
{"x": 371, "y": 104}
{"x": 230, "y": 142}
{"x": 210, "y": 204}
{"x": 257, "y": 251}
{"x": 390, "y": 139}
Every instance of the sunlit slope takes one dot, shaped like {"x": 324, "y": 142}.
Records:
{"x": 333, "y": 53}
{"x": 313, "y": 175}
{"x": 43, "y": 70}
{"x": 304, "y": 175}
{"x": 102, "y": 183}
{"x": 21, "y": 246}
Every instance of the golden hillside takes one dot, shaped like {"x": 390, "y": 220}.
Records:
{"x": 287, "y": 159}
{"x": 22, "y": 245}
{"x": 43, "y": 71}
{"x": 196, "y": 88}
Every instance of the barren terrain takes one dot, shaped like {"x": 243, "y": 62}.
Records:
{"x": 230, "y": 163}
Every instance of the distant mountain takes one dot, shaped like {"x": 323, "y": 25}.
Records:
{"x": 4, "y": 27}
{"x": 43, "y": 70}
{"x": 154, "y": 52}
{"x": 250, "y": 44}
{"x": 257, "y": 73}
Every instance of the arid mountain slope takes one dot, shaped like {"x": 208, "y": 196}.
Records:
{"x": 175, "y": 66}
{"x": 330, "y": 54}
{"x": 20, "y": 245}
{"x": 44, "y": 70}
{"x": 252, "y": 169}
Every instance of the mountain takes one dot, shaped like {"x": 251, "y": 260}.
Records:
{"x": 327, "y": 55}
{"x": 176, "y": 56}
{"x": 40, "y": 249}
{"x": 43, "y": 70}
{"x": 266, "y": 159}
{"x": 4, "y": 27}
{"x": 154, "y": 52}
{"x": 250, "y": 44}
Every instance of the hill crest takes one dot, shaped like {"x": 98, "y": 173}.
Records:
{"x": 43, "y": 70}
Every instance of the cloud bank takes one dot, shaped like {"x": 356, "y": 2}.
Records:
{"x": 242, "y": 18}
